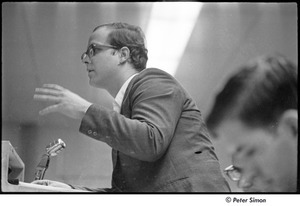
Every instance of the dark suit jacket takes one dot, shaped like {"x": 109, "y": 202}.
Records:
{"x": 160, "y": 142}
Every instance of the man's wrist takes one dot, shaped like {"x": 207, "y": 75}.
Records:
{"x": 86, "y": 107}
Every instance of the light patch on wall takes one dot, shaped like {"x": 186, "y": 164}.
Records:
{"x": 170, "y": 27}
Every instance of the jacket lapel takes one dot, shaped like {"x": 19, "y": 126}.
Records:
{"x": 126, "y": 111}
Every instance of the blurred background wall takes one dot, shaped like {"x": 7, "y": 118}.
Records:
{"x": 43, "y": 42}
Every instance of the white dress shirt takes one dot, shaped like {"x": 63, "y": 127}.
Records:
{"x": 120, "y": 96}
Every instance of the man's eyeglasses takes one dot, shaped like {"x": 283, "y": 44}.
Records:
{"x": 233, "y": 173}
{"x": 91, "y": 50}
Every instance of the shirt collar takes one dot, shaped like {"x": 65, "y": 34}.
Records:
{"x": 120, "y": 96}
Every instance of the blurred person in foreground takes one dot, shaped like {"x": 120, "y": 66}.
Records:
{"x": 246, "y": 181}
{"x": 158, "y": 137}
{"x": 257, "y": 112}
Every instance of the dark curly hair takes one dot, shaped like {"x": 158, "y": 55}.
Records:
{"x": 123, "y": 34}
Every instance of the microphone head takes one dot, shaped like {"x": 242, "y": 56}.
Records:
{"x": 55, "y": 147}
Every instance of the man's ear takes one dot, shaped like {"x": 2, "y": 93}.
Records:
{"x": 124, "y": 54}
{"x": 288, "y": 124}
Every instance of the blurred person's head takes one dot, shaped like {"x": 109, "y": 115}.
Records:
{"x": 257, "y": 112}
{"x": 245, "y": 173}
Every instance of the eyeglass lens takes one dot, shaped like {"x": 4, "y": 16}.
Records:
{"x": 233, "y": 173}
{"x": 89, "y": 53}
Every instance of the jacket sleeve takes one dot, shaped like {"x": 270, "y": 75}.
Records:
{"x": 156, "y": 106}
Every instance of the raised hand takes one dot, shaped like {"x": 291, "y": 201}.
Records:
{"x": 63, "y": 101}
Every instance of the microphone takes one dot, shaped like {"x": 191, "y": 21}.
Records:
{"x": 51, "y": 150}
{"x": 55, "y": 147}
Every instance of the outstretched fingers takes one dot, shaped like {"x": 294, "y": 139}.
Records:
{"x": 46, "y": 98}
{"x": 50, "y": 109}
{"x": 48, "y": 91}
{"x": 53, "y": 86}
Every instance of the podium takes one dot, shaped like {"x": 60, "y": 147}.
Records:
{"x": 12, "y": 174}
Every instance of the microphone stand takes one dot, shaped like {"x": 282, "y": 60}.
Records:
{"x": 51, "y": 150}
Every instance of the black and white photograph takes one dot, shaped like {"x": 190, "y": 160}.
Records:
{"x": 150, "y": 98}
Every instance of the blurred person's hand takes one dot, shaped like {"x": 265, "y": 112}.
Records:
{"x": 52, "y": 183}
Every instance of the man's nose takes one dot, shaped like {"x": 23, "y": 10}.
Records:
{"x": 86, "y": 59}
